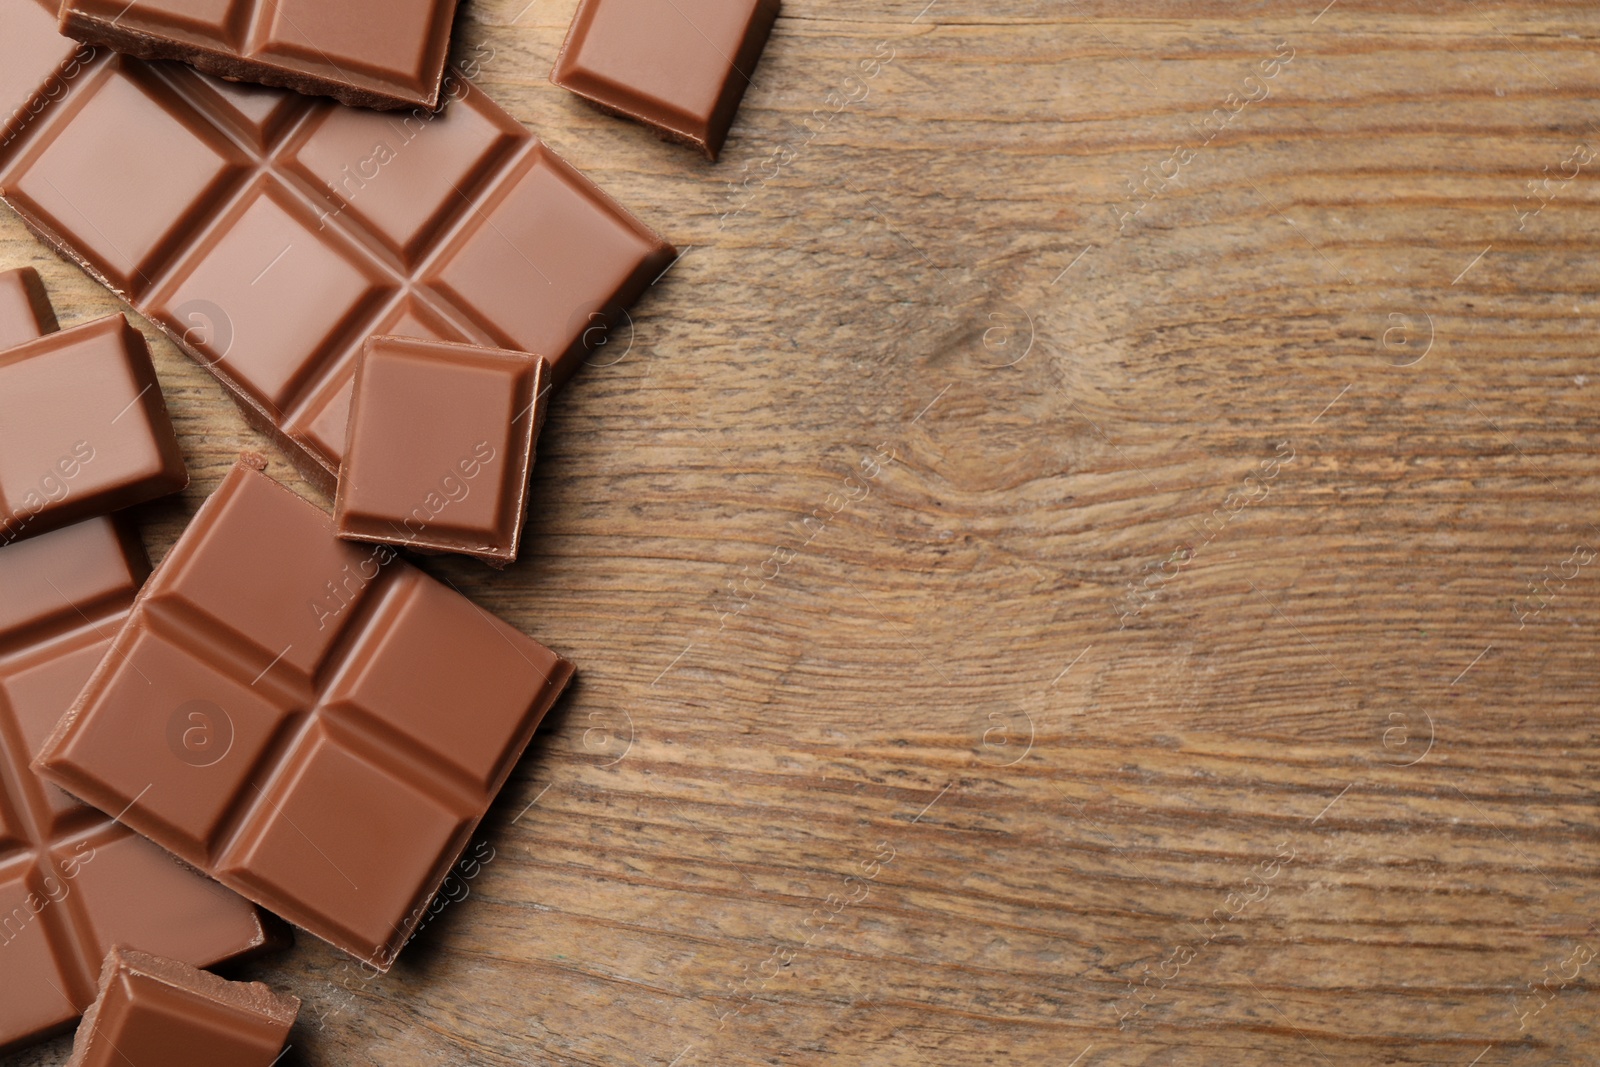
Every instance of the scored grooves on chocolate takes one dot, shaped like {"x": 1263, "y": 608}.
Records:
{"x": 62, "y": 597}
{"x": 391, "y": 55}
{"x": 269, "y": 234}
{"x": 341, "y": 786}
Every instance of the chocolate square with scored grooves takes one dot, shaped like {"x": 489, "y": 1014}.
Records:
{"x": 274, "y": 233}
{"x": 680, "y": 66}
{"x": 364, "y": 53}
{"x": 362, "y": 717}
{"x": 440, "y": 446}
{"x": 83, "y": 428}
{"x": 154, "y": 1012}
{"x": 73, "y": 882}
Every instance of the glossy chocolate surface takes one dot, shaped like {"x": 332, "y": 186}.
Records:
{"x": 270, "y": 234}
{"x": 73, "y": 883}
{"x": 25, "y": 311}
{"x": 83, "y": 428}
{"x": 680, "y": 66}
{"x": 355, "y": 717}
{"x": 155, "y": 1012}
{"x": 440, "y": 446}
{"x": 365, "y": 53}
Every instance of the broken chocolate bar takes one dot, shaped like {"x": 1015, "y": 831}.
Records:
{"x": 365, "y": 53}
{"x": 73, "y": 882}
{"x": 270, "y": 234}
{"x": 364, "y": 717}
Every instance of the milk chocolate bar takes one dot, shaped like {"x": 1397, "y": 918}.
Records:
{"x": 366, "y": 53}
{"x": 440, "y": 446}
{"x": 364, "y": 717}
{"x": 74, "y": 883}
{"x": 155, "y": 1012}
{"x": 83, "y": 428}
{"x": 270, "y": 234}
{"x": 681, "y": 66}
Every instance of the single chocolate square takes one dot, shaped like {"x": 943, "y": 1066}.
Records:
{"x": 360, "y": 717}
{"x": 83, "y": 428}
{"x": 25, "y": 311}
{"x": 155, "y": 1012}
{"x": 440, "y": 445}
{"x": 681, "y": 66}
{"x": 365, "y": 53}
{"x": 73, "y": 882}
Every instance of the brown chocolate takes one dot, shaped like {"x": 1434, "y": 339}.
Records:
{"x": 365, "y": 53}
{"x": 83, "y": 428}
{"x": 440, "y": 445}
{"x": 681, "y": 66}
{"x": 155, "y": 1012}
{"x": 73, "y": 882}
{"x": 25, "y": 311}
{"x": 270, "y": 234}
{"x": 360, "y": 715}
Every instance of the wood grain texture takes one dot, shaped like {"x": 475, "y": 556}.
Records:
{"x": 1014, "y": 626}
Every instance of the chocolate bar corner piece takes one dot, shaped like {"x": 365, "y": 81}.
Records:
{"x": 73, "y": 882}
{"x": 270, "y": 234}
{"x": 440, "y": 447}
{"x": 364, "y": 53}
{"x": 362, "y": 717}
{"x": 84, "y": 429}
{"x": 679, "y": 67}
{"x": 155, "y": 1012}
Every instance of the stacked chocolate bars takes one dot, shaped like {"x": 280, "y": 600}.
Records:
{"x": 285, "y": 715}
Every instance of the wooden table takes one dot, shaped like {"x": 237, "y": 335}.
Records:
{"x": 1089, "y": 554}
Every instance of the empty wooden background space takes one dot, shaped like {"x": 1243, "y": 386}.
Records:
{"x": 1090, "y": 553}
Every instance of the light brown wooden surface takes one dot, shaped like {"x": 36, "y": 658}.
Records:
{"x": 915, "y": 792}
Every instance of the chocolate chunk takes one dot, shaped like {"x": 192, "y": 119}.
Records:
{"x": 25, "y": 311}
{"x": 73, "y": 882}
{"x": 270, "y": 234}
{"x": 361, "y": 717}
{"x": 366, "y": 53}
{"x": 83, "y": 428}
{"x": 155, "y": 1012}
{"x": 681, "y": 67}
{"x": 440, "y": 446}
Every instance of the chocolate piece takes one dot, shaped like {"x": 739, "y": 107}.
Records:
{"x": 73, "y": 883}
{"x": 440, "y": 446}
{"x": 25, "y": 311}
{"x": 365, "y": 53}
{"x": 681, "y": 66}
{"x": 271, "y": 234}
{"x": 36, "y": 63}
{"x": 366, "y": 716}
{"x": 83, "y": 428}
{"x": 155, "y": 1012}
